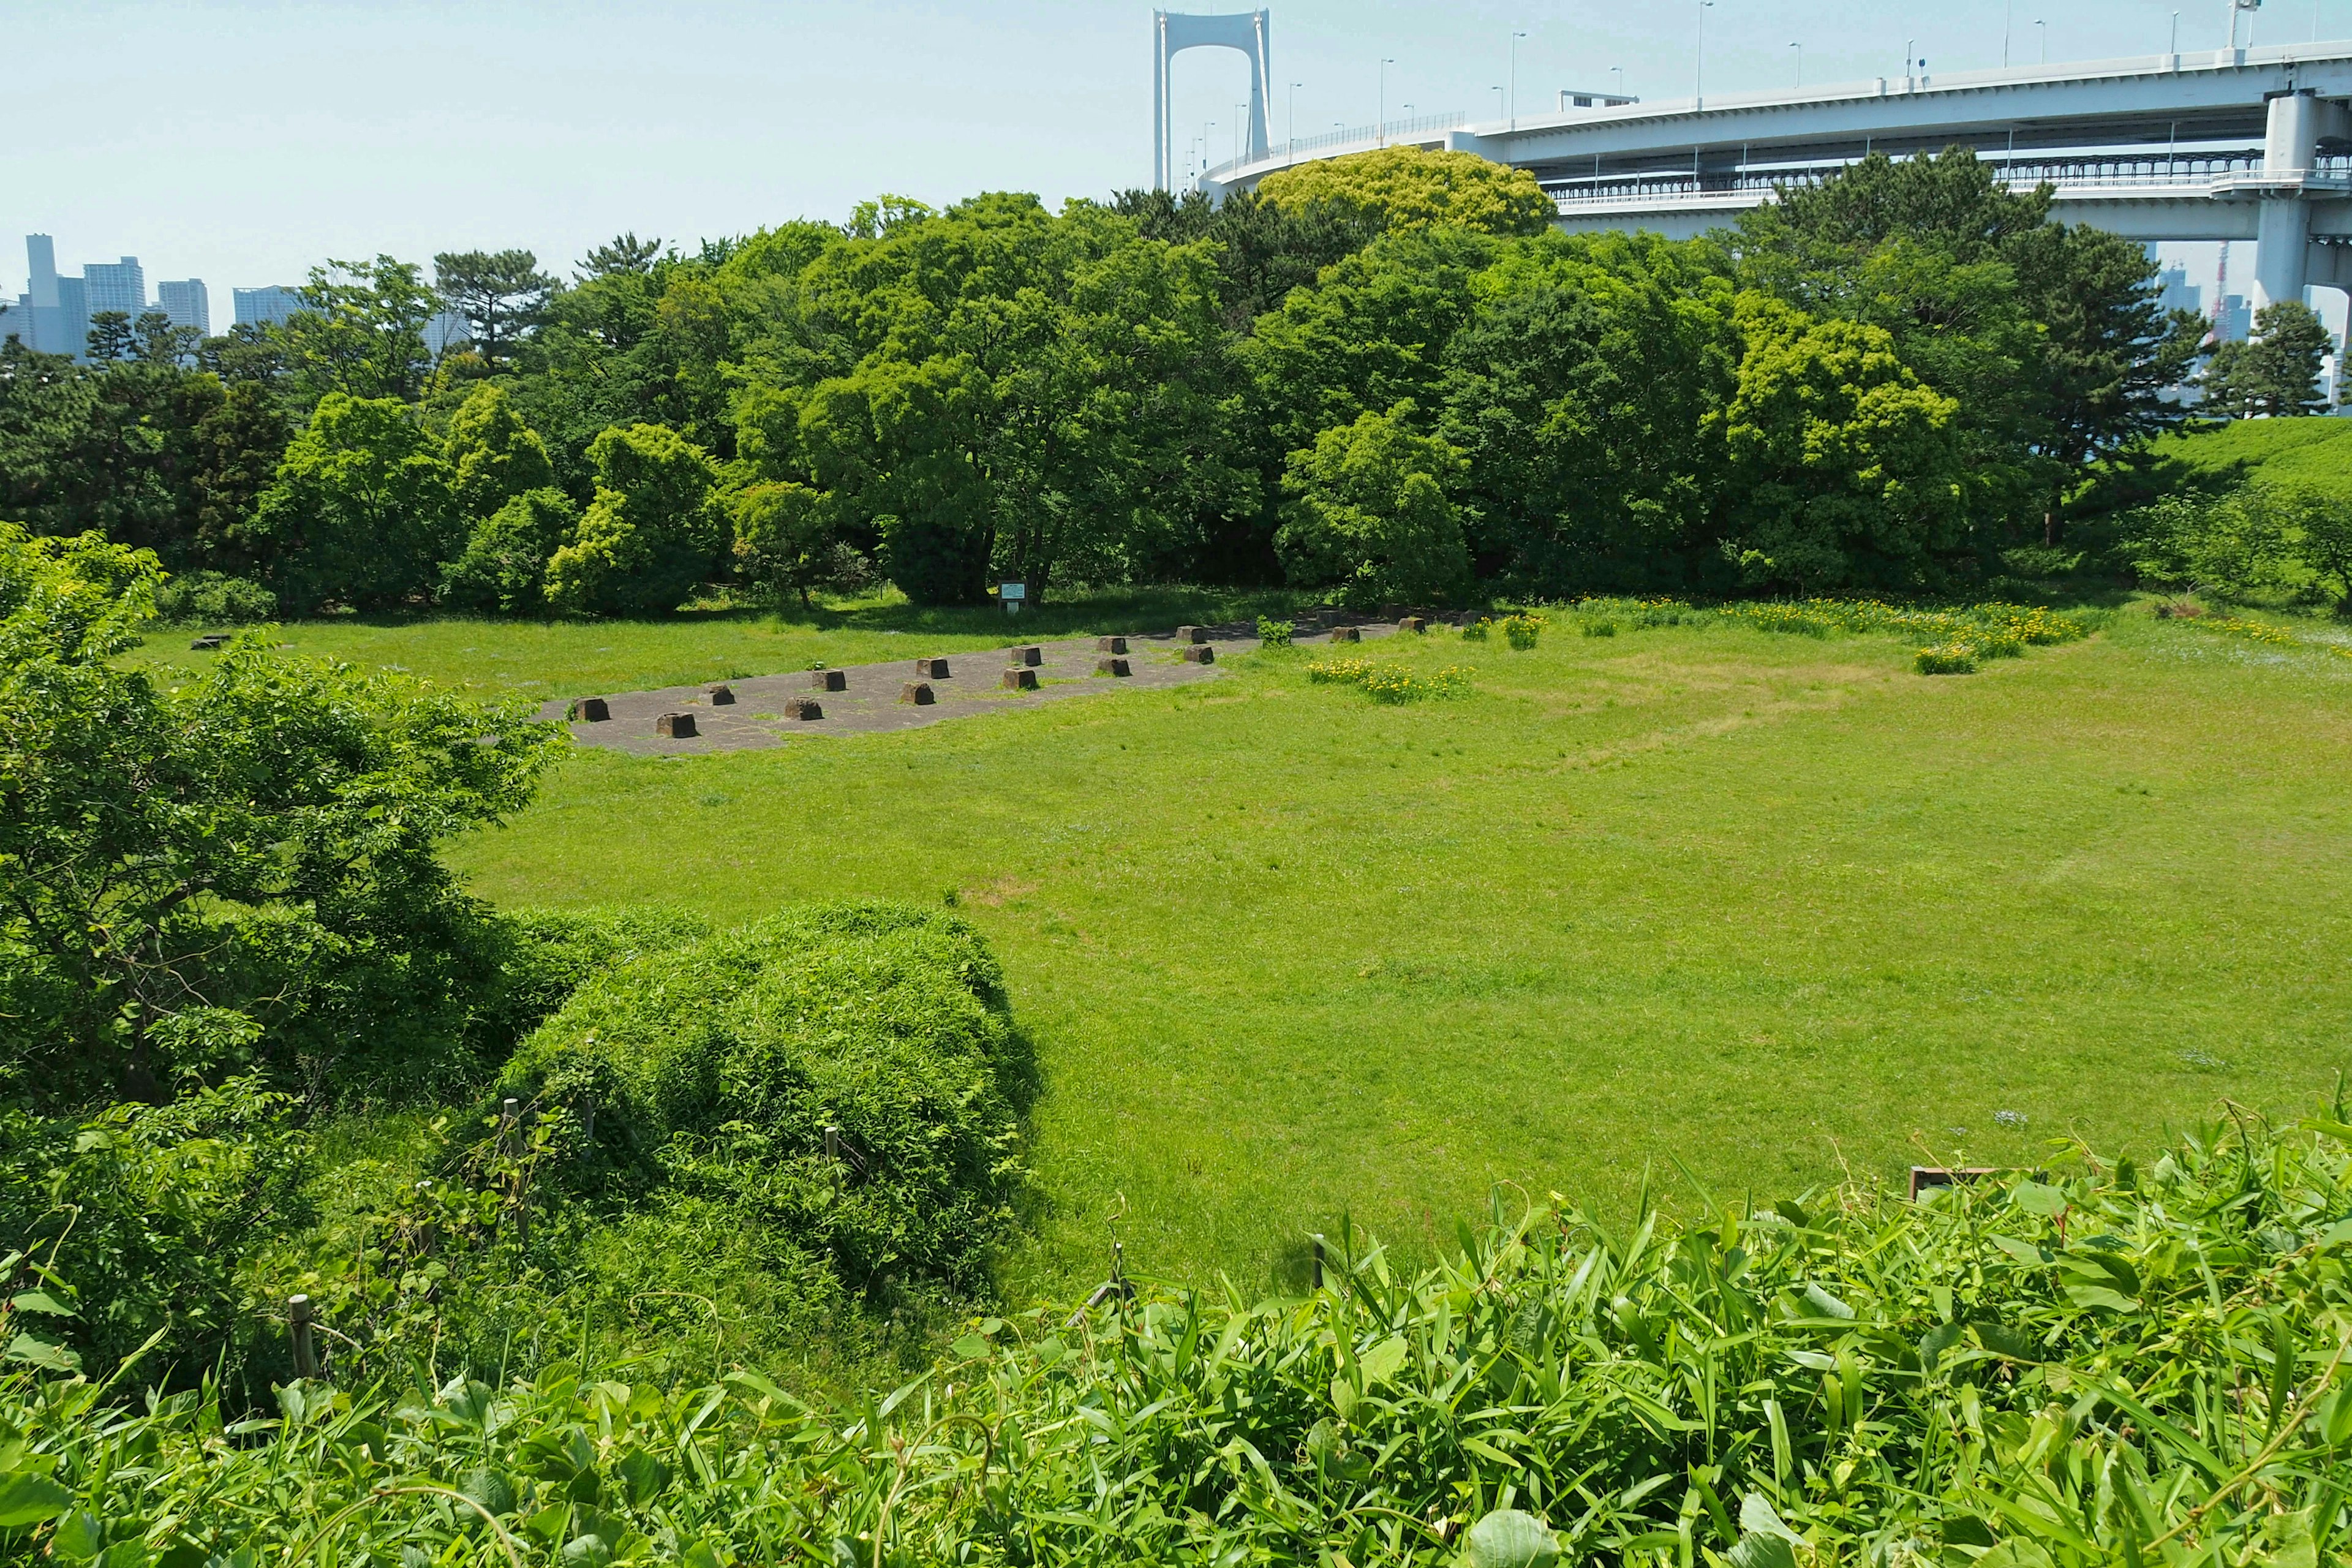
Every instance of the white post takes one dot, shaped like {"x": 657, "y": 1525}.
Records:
{"x": 2281, "y": 256}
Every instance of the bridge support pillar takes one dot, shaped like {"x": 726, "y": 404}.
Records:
{"x": 2282, "y": 250}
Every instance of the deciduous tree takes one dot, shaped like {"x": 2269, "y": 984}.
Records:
{"x": 653, "y": 533}
{"x": 359, "y": 511}
{"x": 1369, "y": 516}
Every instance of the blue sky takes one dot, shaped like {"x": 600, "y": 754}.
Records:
{"x": 241, "y": 141}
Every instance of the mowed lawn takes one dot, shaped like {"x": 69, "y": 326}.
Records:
{"x": 499, "y": 658}
{"x": 1760, "y": 907}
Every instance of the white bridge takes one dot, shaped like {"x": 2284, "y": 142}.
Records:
{"x": 2234, "y": 144}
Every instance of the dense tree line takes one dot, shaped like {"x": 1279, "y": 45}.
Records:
{"x": 1385, "y": 377}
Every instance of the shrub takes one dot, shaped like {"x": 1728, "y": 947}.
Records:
{"x": 1392, "y": 682}
{"x": 1521, "y": 631}
{"x": 2112, "y": 1362}
{"x": 1951, "y": 659}
{"x": 542, "y": 956}
{"x": 1368, "y": 514}
{"x": 1477, "y": 630}
{"x": 208, "y": 598}
{"x": 1272, "y": 632}
{"x": 360, "y": 509}
{"x": 653, "y": 533}
{"x": 1599, "y": 628}
{"x": 155, "y": 1212}
{"x": 717, "y": 1066}
{"x": 504, "y": 564}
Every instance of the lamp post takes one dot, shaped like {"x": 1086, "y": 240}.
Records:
{"x": 1497, "y": 90}
{"x": 1294, "y": 115}
{"x": 2007, "y": 16}
{"x": 1910, "y": 46}
{"x": 1383, "y": 129}
{"x": 1619, "y": 72}
{"x": 1698, "y": 91}
{"x": 2044, "y": 28}
{"x": 1515, "y": 79}
{"x": 1801, "y": 63}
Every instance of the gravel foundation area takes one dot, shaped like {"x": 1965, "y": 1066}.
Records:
{"x": 871, "y": 700}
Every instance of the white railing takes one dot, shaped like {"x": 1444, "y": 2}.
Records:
{"x": 2202, "y": 174}
{"x": 1419, "y": 128}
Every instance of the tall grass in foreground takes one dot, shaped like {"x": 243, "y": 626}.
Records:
{"x": 2105, "y": 1363}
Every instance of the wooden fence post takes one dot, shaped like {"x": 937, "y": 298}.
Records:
{"x": 298, "y": 1319}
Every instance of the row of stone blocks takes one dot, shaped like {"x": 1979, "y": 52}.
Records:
{"x": 1021, "y": 676}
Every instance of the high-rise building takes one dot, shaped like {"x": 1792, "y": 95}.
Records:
{"x": 47, "y": 326}
{"x": 2178, "y": 293}
{"x": 187, "y": 304}
{"x": 257, "y": 307}
{"x": 445, "y": 331}
{"x": 116, "y": 285}
{"x": 2233, "y": 320}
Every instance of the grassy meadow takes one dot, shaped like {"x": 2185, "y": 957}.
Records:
{"x": 497, "y": 656}
{"x": 1763, "y": 905}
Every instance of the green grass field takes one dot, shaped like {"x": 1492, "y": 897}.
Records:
{"x": 1759, "y": 903}
{"x": 579, "y": 658}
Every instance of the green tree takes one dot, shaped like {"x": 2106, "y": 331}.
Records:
{"x": 358, "y": 512}
{"x": 115, "y": 447}
{"x": 234, "y": 873}
{"x": 158, "y": 343}
{"x": 624, "y": 256}
{"x": 2049, "y": 339}
{"x": 1406, "y": 188}
{"x": 110, "y": 337}
{"x": 504, "y": 564}
{"x": 2276, "y": 370}
{"x": 1263, "y": 251}
{"x": 1580, "y": 392}
{"x": 653, "y": 534}
{"x": 784, "y": 537}
{"x": 1368, "y": 514}
{"x": 502, "y": 295}
{"x": 493, "y": 456}
{"x": 1845, "y": 470}
{"x": 360, "y": 330}
{"x": 239, "y": 444}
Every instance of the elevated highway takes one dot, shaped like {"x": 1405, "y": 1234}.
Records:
{"x": 2235, "y": 145}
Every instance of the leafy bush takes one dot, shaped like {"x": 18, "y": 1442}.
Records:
{"x": 504, "y": 564}
{"x": 1369, "y": 515}
{"x": 1953, "y": 658}
{"x": 208, "y": 598}
{"x": 1521, "y": 631}
{"x": 1599, "y": 628}
{"x": 156, "y": 1212}
{"x": 653, "y": 533}
{"x": 2111, "y": 1362}
{"x": 1477, "y": 630}
{"x": 1272, "y": 632}
{"x": 1392, "y": 682}
{"x": 542, "y": 957}
{"x": 718, "y": 1066}
{"x": 241, "y": 872}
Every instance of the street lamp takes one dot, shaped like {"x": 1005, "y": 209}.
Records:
{"x": 1801, "y": 63}
{"x": 2044, "y": 26}
{"x": 1698, "y": 92}
{"x": 1910, "y": 46}
{"x": 1515, "y": 79}
{"x": 1294, "y": 114}
{"x": 1383, "y": 129}
{"x": 1619, "y": 72}
{"x": 1497, "y": 90}
{"x": 2008, "y": 15}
